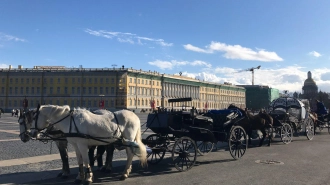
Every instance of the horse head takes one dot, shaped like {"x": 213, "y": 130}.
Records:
{"x": 25, "y": 122}
{"x": 46, "y": 115}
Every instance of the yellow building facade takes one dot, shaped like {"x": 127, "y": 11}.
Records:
{"x": 118, "y": 88}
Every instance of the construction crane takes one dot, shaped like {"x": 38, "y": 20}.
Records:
{"x": 252, "y": 70}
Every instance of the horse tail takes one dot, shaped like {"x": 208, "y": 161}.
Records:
{"x": 142, "y": 148}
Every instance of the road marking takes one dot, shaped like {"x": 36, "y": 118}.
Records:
{"x": 10, "y": 131}
{"x": 9, "y": 140}
{"x": 36, "y": 159}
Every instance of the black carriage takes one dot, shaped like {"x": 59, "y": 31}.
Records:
{"x": 185, "y": 133}
{"x": 290, "y": 117}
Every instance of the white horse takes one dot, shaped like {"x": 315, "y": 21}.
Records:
{"x": 84, "y": 129}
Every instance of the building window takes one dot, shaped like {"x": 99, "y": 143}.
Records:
{"x": 66, "y": 81}
{"x": 101, "y": 80}
{"x": 107, "y": 80}
{"x": 107, "y": 90}
{"x": 142, "y": 81}
{"x": 84, "y": 80}
{"x": 27, "y": 81}
{"x": 77, "y": 103}
{"x": 138, "y": 102}
{"x": 3, "y": 90}
{"x": 58, "y": 80}
{"x": 3, "y": 80}
{"x": 112, "y": 80}
{"x": 130, "y": 80}
{"x": 138, "y": 81}
{"x": 16, "y": 90}
{"x": 38, "y": 80}
{"x": 11, "y": 80}
{"x": 58, "y": 90}
{"x": 57, "y": 102}
{"x": 33, "y": 80}
{"x": 89, "y": 90}
{"x": 89, "y": 103}
{"x": 112, "y": 90}
{"x": 84, "y": 90}
{"x": 78, "y": 90}
{"x": 73, "y": 80}
{"x": 72, "y": 90}
{"x": 65, "y": 90}
{"x": 51, "y": 81}
{"x": 78, "y": 80}
{"x": 90, "y": 80}
{"x": 16, "y": 80}
{"x": 106, "y": 103}
{"x": 32, "y": 90}
{"x": 112, "y": 104}
{"x": 45, "y": 90}
{"x": 27, "y": 90}
{"x": 95, "y": 90}
{"x": 95, "y": 80}
{"x": 38, "y": 90}
{"x": 134, "y": 80}
{"x": 72, "y": 103}
{"x": 51, "y": 90}
{"x": 130, "y": 102}
{"x": 101, "y": 90}
{"x": 95, "y": 103}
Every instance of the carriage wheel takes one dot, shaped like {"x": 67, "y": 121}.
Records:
{"x": 286, "y": 133}
{"x": 237, "y": 142}
{"x": 157, "y": 150}
{"x": 309, "y": 128}
{"x": 204, "y": 147}
{"x": 184, "y": 154}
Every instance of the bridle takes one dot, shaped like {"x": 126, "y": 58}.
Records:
{"x": 24, "y": 117}
{"x": 36, "y": 120}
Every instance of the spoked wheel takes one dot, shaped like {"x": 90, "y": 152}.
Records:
{"x": 184, "y": 154}
{"x": 309, "y": 128}
{"x": 286, "y": 133}
{"x": 157, "y": 150}
{"x": 237, "y": 142}
{"x": 204, "y": 147}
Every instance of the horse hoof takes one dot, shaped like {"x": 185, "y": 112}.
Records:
{"x": 77, "y": 181}
{"x": 122, "y": 178}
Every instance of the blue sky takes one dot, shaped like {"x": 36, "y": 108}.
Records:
{"x": 211, "y": 40}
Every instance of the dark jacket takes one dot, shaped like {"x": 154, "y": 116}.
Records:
{"x": 321, "y": 109}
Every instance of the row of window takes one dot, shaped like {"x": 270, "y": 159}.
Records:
{"x": 66, "y": 80}
{"x": 51, "y": 90}
{"x": 143, "y": 91}
{"x": 142, "y": 81}
{"x": 72, "y": 103}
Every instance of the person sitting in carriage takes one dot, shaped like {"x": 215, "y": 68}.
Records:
{"x": 321, "y": 110}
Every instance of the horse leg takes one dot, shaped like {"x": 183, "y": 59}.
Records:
{"x": 83, "y": 149}
{"x": 263, "y": 131}
{"x": 128, "y": 167}
{"x": 99, "y": 153}
{"x": 91, "y": 155}
{"x": 80, "y": 177}
{"x": 63, "y": 149}
{"x": 108, "y": 161}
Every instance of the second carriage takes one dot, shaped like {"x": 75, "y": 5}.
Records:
{"x": 185, "y": 133}
{"x": 291, "y": 118}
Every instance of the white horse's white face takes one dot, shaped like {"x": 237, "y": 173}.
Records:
{"x": 25, "y": 122}
{"x": 46, "y": 115}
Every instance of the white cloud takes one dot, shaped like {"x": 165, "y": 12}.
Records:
{"x": 315, "y": 54}
{"x": 127, "y": 37}
{"x": 4, "y": 66}
{"x": 196, "y": 49}
{"x": 5, "y": 37}
{"x": 174, "y": 63}
{"x": 290, "y": 78}
{"x": 236, "y": 52}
